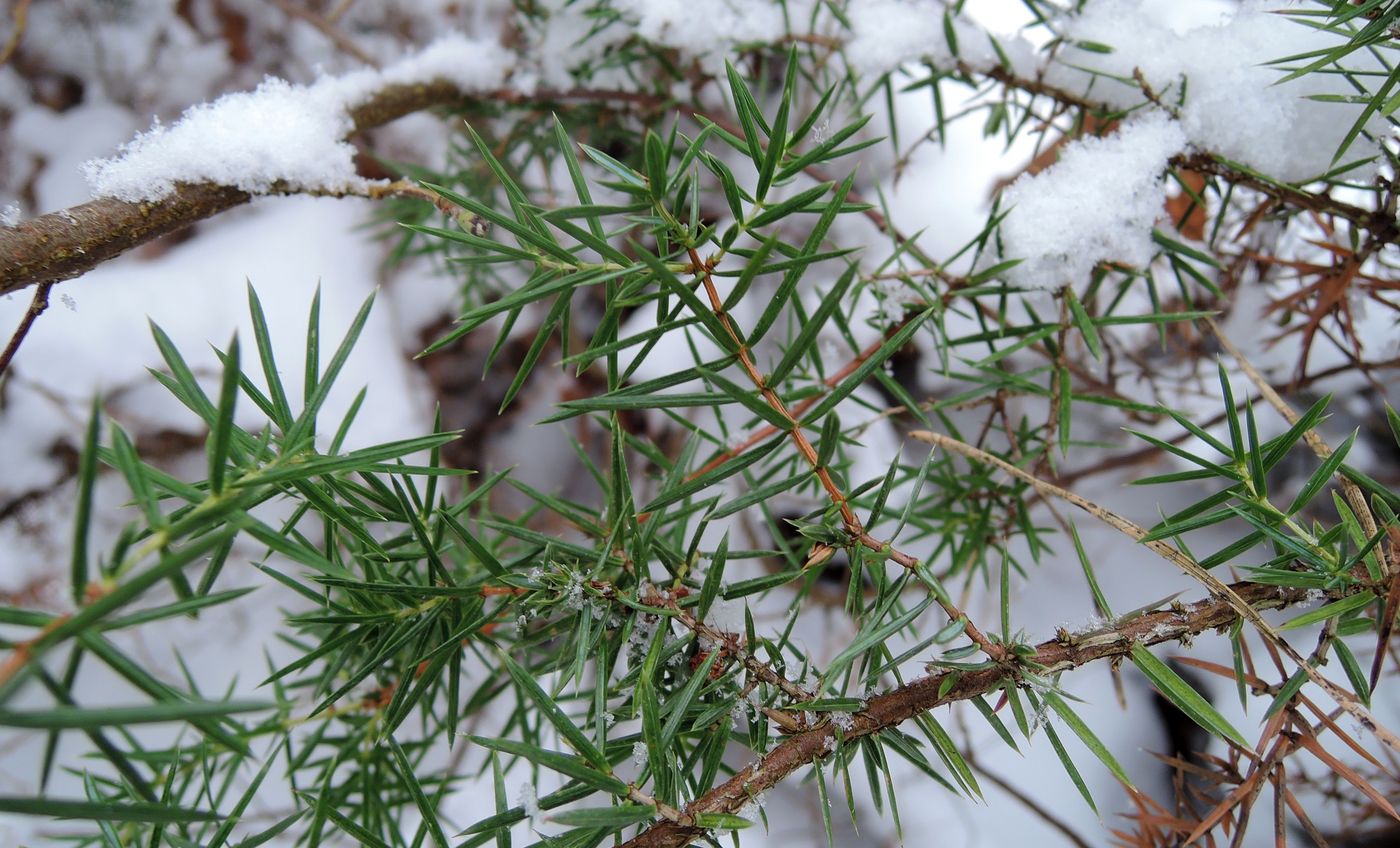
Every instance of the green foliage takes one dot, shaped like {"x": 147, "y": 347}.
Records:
{"x": 621, "y": 660}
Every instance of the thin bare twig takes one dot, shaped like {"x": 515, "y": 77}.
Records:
{"x": 36, "y": 308}
{"x": 1213, "y": 584}
{"x": 19, "y": 12}
{"x": 340, "y": 9}
{"x": 767, "y": 431}
{"x": 1041, "y": 811}
{"x": 326, "y": 27}
{"x": 854, "y": 528}
{"x": 731, "y": 644}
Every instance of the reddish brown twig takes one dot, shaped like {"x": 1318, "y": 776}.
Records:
{"x": 926, "y": 693}
{"x": 36, "y": 308}
{"x": 838, "y": 498}
{"x": 20, "y": 14}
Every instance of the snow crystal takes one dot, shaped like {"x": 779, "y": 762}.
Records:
{"x": 573, "y": 592}
{"x": 739, "y": 714}
{"x": 726, "y": 616}
{"x": 845, "y": 721}
{"x": 281, "y": 133}
{"x": 641, "y": 634}
{"x": 1158, "y": 630}
{"x": 677, "y": 657}
{"x": 639, "y": 754}
{"x": 68, "y": 301}
{"x": 1041, "y": 714}
{"x": 9, "y": 216}
{"x": 751, "y": 807}
{"x": 529, "y": 801}
{"x": 1097, "y": 204}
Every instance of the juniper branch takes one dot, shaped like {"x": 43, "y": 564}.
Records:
{"x": 1213, "y": 584}
{"x": 889, "y": 710}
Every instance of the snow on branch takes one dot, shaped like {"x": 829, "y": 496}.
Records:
{"x": 1187, "y": 85}
{"x": 63, "y": 245}
{"x": 1210, "y": 78}
{"x": 278, "y": 139}
{"x": 282, "y": 135}
{"x": 1097, "y": 204}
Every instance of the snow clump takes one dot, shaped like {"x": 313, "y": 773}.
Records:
{"x": 1222, "y": 74}
{"x": 282, "y": 134}
{"x": 1097, "y": 204}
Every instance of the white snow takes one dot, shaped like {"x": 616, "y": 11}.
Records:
{"x": 529, "y": 801}
{"x": 888, "y": 33}
{"x": 1233, "y": 105}
{"x": 705, "y": 28}
{"x": 726, "y": 616}
{"x": 1209, "y": 62}
{"x": 1097, "y": 204}
{"x": 297, "y": 246}
{"x": 282, "y": 133}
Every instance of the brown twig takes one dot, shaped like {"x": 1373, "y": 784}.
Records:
{"x": 767, "y": 431}
{"x": 36, "y": 308}
{"x": 63, "y": 245}
{"x": 20, "y": 13}
{"x": 326, "y": 27}
{"x": 1213, "y": 584}
{"x": 793, "y": 428}
{"x": 340, "y": 9}
{"x": 924, "y": 694}
{"x": 732, "y": 645}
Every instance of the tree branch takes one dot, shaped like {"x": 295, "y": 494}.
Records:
{"x": 66, "y": 244}
{"x": 36, "y": 308}
{"x": 922, "y": 695}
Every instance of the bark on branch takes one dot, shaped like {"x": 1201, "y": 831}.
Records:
{"x": 922, "y": 695}
{"x": 66, "y": 244}
{"x": 62, "y": 245}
